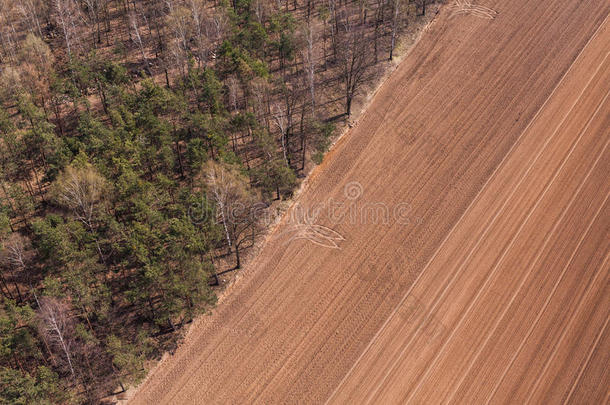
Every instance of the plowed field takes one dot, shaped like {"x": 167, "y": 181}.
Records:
{"x": 453, "y": 247}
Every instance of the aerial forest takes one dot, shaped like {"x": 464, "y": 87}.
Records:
{"x": 142, "y": 145}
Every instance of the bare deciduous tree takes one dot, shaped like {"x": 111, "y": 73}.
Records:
{"x": 219, "y": 23}
{"x": 395, "y": 15}
{"x": 94, "y": 9}
{"x": 137, "y": 38}
{"x": 55, "y": 326}
{"x": 32, "y": 11}
{"x": 218, "y": 180}
{"x": 354, "y": 61}
{"x": 10, "y": 82}
{"x": 237, "y": 205}
{"x": 8, "y": 34}
{"x": 15, "y": 252}
{"x": 281, "y": 121}
{"x": 179, "y": 23}
{"x": 15, "y": 257}
{"x": 309, "y": 63}
{"x": 37, "y": 62}
{"x": 197, "y": 11}
{"x": 260, "y": 89}
{"x": 68, "y": 17}
{"x": 81, "y": 190}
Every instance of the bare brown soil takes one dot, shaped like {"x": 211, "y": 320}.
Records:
{"x": 489, "y": 283}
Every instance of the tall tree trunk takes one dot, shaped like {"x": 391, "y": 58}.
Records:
{"x": 237, "y": 258}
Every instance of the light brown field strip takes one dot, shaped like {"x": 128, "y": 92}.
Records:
{"x": 586, "y": 116}
{"x": 491, "y": 137}
{"x": 595, "y": 370}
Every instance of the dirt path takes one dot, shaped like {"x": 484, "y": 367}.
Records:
{"x": 469, "y": 211}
